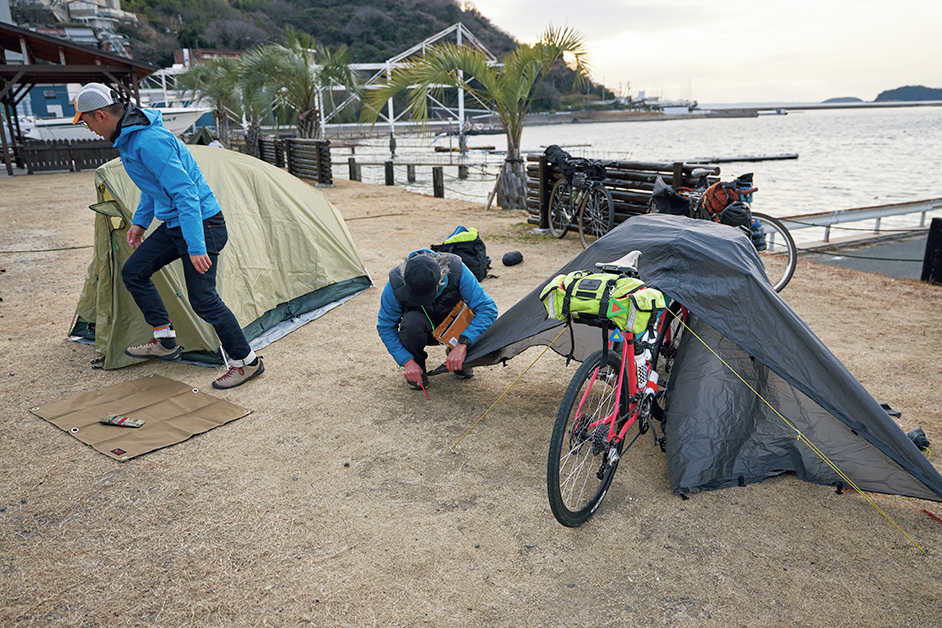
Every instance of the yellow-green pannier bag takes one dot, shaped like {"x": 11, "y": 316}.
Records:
{"x": 598, "y": 298}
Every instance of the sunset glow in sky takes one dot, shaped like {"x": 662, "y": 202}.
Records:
{"x": 727, "y": 51}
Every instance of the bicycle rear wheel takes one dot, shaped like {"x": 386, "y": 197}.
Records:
{"x": 780, "y": 255}
{"x": 560, "y": 209}
{"x": 577, "y": 471}
{"x": 596, "y": 214}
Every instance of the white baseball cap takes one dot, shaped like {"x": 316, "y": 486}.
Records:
{"x": 91, "y": 97}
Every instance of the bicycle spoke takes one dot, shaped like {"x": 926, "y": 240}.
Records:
{"x": 560, "y": 212}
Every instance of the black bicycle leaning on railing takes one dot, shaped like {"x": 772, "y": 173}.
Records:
{"x": 579, "y": 198}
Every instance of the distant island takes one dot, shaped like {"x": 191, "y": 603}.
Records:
{"x": 910, "y": 93}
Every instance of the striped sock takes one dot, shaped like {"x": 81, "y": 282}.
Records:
{"x": 164, "y": 331}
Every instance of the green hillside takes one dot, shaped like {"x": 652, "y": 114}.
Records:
{"x": 374, "y": 30}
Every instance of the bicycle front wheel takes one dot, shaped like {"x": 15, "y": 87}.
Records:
{"x": 596, "y": 215}
{"x": 560, "y": 208}
{"x": 780, "y": 255}
{"x": 578, "y": 473}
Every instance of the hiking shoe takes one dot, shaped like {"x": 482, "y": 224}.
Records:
{"x": 238, "y": 375}
{"x": 465, "y": 373}
{"x": 154, "y": 350}
{"x": 415, "y": 386}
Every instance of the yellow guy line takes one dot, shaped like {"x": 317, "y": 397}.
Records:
{"x": 508, "y": 388}
{"x": 803, "y": 438}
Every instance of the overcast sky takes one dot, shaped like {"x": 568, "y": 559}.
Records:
{"x": 727, "y": 51}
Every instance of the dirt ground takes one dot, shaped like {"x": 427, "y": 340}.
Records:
{"x": 338, "y": 501}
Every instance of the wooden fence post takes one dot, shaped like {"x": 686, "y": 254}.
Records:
{"x": 438, "y": 182}
{"x": 325, "y": 173}
{"x": 289, "y": 149}
{"x": 932, "y": 262}
{"x": 389, "y": 173}
{"x": 544, "y": 192}
{"x": 677, "y": 179}
{"x": 352, "y": 166}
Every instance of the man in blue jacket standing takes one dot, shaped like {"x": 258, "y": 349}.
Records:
{"x": 420, "y": 294}
{"x": 192, "y": 230}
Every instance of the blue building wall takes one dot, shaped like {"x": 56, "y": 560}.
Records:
{"x": 49, "y": 101}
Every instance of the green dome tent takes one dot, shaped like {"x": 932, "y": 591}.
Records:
{"x": 289, "y": 259}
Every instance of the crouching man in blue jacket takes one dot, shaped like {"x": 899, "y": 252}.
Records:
{"x": 420, "y": 294}
{"x": 193, "y": 229}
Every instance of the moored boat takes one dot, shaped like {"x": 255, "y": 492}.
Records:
{"x": 177, "y": 119}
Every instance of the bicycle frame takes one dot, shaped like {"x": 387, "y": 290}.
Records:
{"x": 632, "y": 412}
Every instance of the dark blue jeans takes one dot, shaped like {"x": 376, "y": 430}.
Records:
{"x": 415, "y": 333}
{"x": 165, "y": 245}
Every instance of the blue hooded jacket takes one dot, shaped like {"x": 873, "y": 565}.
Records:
{"x": 391, "y": 311}
{"x": 172, "y": 185}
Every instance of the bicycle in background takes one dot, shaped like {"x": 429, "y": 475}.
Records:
{"x": 731, "y": 204}
{"x": 579, "y": 198}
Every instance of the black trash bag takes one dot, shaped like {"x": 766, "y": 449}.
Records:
{"x": 666, "y": 200}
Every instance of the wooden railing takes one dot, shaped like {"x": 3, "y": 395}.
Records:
{"x": 630, "y": 182}
{"x": 71, "y": 155}
{"x": 306, "y": 159}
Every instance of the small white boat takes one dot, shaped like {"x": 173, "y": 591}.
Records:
{"x": 177, "y": 119}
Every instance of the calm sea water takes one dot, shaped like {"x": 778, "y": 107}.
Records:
{"x": 846, "y": 158}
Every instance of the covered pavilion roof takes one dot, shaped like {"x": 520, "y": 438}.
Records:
{"x": 44, "y": 59}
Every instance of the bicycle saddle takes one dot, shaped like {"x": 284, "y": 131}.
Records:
{"x": 627, "y": 264}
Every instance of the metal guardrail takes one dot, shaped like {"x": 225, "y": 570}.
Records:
{"x": 827, "y": 219}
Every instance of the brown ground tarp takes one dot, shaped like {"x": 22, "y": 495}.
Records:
{"x": 172, "y": 412}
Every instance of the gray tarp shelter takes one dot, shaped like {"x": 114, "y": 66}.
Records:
{"x": 718, "y": 432}
{"x": 289, "y": 259}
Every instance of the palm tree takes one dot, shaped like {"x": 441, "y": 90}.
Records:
{"x": 216, "y": 80}
{"x": 509, "y": 89}
{"x": 303, "y": 70}
{"x": 259, "y": 92}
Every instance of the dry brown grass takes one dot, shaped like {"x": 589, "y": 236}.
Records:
{"x": 338, "y": 502}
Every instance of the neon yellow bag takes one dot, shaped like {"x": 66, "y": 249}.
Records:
{"x": 596, "y": 298}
